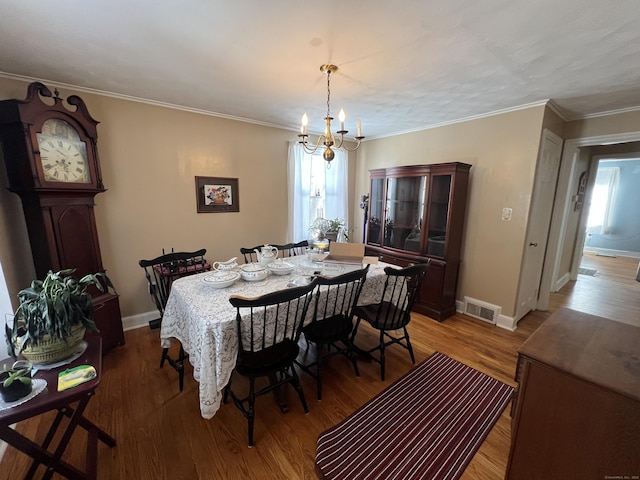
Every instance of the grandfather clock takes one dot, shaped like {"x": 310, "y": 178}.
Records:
{"x": 51, "y": 159}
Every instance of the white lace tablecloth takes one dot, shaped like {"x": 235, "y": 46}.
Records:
{"x": 202, "y": 319}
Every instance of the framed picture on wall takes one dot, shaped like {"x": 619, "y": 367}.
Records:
{"x": 217, "y": 194}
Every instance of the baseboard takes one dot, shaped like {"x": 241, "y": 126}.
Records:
{"x": 138, "y": 321}
{"x": 607, "y": 252}
{"x": 508, "y": 323}
{"x": 561, "y": 282}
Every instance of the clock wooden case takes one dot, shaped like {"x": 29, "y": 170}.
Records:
{"x": 50, "y": 153}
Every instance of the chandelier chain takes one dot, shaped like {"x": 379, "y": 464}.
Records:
{"x": 328, "y": 94}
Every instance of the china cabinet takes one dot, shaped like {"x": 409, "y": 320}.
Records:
{"x": 415, "y": 213}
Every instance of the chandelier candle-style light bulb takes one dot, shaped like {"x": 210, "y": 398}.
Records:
{"x": 328, "y": 139}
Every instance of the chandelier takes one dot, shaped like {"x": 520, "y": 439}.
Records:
{"x": 328, "y": 139}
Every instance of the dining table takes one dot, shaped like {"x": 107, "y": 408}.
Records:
{"x": 200, "y": 317}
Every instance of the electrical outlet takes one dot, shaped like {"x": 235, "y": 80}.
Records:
{"x": 506, "y": 214}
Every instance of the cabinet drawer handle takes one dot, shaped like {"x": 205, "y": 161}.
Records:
{"x": 533, "y": 244}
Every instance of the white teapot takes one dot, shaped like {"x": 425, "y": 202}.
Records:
{"x": 266, "y": 255}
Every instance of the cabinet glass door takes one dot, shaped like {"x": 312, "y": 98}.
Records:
{"x": 376, "y": 211}
{"x": 405, "y": 207}
{"x": 438, "y": 215}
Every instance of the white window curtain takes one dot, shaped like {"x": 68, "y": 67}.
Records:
{"x": 299, "y": 184}
{"x": 603, "y": 199}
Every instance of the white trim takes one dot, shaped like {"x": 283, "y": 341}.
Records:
{"x": 561, "y": 282}
{"x": 147, "y": 101}
{"x": 610, "y": 252}
{"x": 508, "y": 323}
{"x": 462, "y": 120}
{"x": 562, "y": 204}
{"x": 140, "y": 320}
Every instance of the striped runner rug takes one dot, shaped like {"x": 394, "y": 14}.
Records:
{"x": 426, "y": 425}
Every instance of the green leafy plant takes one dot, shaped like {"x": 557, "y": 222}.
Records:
{"x": 52, "y": 307}
{"x": 334, "y": 226}
{"x": 20, "y": 371}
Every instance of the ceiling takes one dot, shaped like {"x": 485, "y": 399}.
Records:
{"x": 403, "y": 66}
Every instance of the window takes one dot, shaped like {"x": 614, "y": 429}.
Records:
{"x": 315, "y": 191}
{"x": 603, "y": 199}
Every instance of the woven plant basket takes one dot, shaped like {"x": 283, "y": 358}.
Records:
{"x": 52, "y": 349}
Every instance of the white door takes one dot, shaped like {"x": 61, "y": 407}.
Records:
{"x": 539, "y": 222}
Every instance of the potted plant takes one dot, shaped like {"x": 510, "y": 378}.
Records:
{"x": 333, "y": 229}
{"x": 373, "y": 235}
{"x": 15, "y": 382}
{"x": 53, "y": 316}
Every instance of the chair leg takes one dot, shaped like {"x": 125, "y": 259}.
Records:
{"x": 225, "y": 394}
{"x": 251, "y": 411}
{"x": 165, "y": 355}
{"x": 318, "y": 372}
{"x": 382, "y": 355}
{"x": 180, "y": 367}
{"x": 351, "y": 355}
{"x": 409, "y": 347}
{"x": 296, "y": 384}
{"x": 355, "y": 330}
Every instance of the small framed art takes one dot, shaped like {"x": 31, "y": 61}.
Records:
{"x": 217, "y": 194}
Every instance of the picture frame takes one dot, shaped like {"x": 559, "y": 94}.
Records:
{"x": 217, "y": 195}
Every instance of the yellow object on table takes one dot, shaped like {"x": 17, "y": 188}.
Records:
{"x": 75, "y": 376}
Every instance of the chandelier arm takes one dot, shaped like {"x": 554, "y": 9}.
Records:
{"x": 358, "y": 140}
{"x": 305, "y": 144}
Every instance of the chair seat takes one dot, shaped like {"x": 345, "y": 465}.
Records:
{"x": 328, "y": 330}
{"x": 263, "y": 362}
{"x": 380, "y": 322}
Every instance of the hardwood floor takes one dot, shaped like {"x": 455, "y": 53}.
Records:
{"x": 161, "y": 434}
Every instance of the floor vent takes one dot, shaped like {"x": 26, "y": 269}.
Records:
{"x": 481, "y": 310}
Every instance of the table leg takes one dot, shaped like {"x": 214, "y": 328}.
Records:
{"x": 35, "y": 451}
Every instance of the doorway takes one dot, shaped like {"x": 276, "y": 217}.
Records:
{"x": 566, "y": 239}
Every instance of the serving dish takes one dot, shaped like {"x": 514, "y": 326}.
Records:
{"x": 221, "y": 279}
{"x": 253, "y": 272}
{"x": 280, "y": 267}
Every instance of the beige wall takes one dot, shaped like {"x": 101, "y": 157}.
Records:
{"x": 149, "y": 158}
{"x": 604, "y": 125}
{"x": 503, "y": 150}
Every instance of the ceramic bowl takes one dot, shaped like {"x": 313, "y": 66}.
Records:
{"x": 253, "y": 272}
{"x": 281, "y": 268}
{"x": 221, "y": 279}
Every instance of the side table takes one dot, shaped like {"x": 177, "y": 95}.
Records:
{"x": 51, "y": 399}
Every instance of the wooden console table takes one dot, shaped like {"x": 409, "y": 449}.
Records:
{"x": 577, "y": 413}
{"x": 51, "y": 399}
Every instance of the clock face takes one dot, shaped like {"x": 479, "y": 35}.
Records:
{"x": 62, "y": 154}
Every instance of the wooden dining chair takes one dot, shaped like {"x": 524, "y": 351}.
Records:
{"x": 393, "y": 312}
{"x": 300, "y": 248}
{"x": 268, "y": 332}
{"x": 284, "y": 251}
{"x": 160, "y": 273}
{"x": 330, "y": 329}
